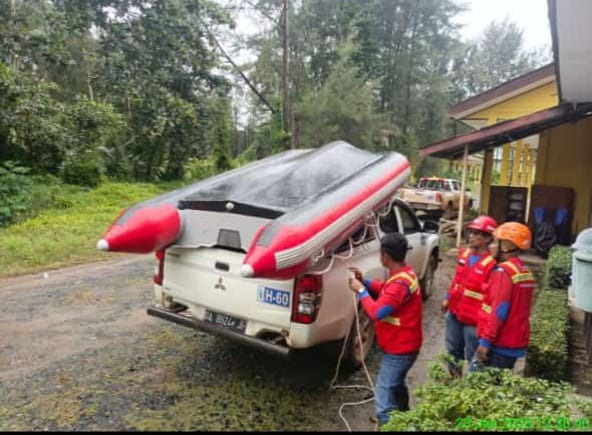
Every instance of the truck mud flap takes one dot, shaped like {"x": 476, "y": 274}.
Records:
{"x": 200, "y": 325}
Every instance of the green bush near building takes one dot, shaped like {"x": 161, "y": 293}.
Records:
{"x": 494, "y": 399}
{"x": 558, "y": 269}
{"x": 547, "y": 354}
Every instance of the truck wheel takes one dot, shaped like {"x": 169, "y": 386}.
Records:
{"x": 427, "y": 282}
{"x": 449, "y": 211}
{"x": 354, "y": 357}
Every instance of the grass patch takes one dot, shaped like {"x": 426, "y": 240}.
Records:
{"x": 66, "y": 232}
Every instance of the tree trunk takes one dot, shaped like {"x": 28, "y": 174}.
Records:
{"x": 286, "y": 69}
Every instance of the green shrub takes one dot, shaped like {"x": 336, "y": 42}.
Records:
{"x": 559, "y": 267}
{"x": 490, "y": 400}
{"x": 198, "y": 169}
{"x": 547, "y": 352}
{"x": 15, "y": 193}
{"x": 84, "y": 170}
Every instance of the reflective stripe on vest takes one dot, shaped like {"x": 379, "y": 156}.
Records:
{"x": 474, "y": 295}
{"x": 486, "y": 308}
{"x": 512, "y": 266}
{"x": 392, "y": 320}
{"x": 486, "y": 260}
{"x": 413, "y": 284}
{"x": 408, "y": 279}
{"x": 522, "y": 277}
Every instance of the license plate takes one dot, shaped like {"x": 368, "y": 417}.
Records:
{"x": 226, "y": 321}
{"x": 272, "y": 296}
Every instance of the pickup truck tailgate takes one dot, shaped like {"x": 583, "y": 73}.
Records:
{"x": 209, "y": 279}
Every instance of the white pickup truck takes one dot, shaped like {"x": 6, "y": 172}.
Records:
{"x": 202, "y": 288}
{"x": 435, "y": 195}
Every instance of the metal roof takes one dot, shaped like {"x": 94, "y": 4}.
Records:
{"x": 507, "y": 131}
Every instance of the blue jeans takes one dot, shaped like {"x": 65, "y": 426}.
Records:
{"x": 390, "y": 385}
{"x": 494, "y": 360}
{"x": 461, "y": 339}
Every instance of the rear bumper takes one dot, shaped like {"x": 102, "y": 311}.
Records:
{"x": 424, "y": 206}
{"x": 186, "y": 319}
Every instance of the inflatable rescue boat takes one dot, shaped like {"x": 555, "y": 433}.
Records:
{"x": 282, "y": 211}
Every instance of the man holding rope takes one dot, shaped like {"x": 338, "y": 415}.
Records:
{"x": 397, "y": 315}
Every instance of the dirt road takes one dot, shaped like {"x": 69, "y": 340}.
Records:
{"x": 79, "y": 352}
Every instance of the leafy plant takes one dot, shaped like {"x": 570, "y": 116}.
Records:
{"x": 15, "y": 192}
{"x": 492, "y": 399}
{"x": 547, "y": 354}
{"x": 559, "y": 267}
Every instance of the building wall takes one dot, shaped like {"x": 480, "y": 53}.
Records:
{"x": 565, "y": 160}
{"x": 531, "y": 101}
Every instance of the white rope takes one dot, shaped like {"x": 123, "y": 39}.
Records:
{"x": 388, "y": 208}
{"x": 351, "y": 251}
{"x": 362, "y": 387}
{"x": 318, "y": 257}
{"x": 320, "y": 272}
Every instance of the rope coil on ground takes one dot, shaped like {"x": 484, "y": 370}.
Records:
{"x": 362, "y": 387}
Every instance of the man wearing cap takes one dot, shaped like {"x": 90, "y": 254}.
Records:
{"x": 397, "y": 316}
{"x": 466, "y": 293}
{"x": 504, "y": 327}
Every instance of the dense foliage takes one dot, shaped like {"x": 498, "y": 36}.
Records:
{"x": 492, "y": 400}
{"x": 136, "y": 89}
{"x": 15, "y": 193}
{"x": 558, "y": 269}
{"x": 547, "y": 355}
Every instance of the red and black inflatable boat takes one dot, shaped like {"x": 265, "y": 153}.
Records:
{"x": 306, "y": 201}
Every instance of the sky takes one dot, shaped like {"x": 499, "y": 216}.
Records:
{"x": 530, "y": 15}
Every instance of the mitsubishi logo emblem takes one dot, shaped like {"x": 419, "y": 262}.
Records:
{"x": 220, "y": 285}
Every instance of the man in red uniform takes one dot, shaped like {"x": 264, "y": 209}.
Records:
{"x": 504, "y": 326}
{"x": 397, "y": 316}
{"x": 465, "y": 295}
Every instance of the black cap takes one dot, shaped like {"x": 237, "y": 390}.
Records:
{"x": 395, "y": 245}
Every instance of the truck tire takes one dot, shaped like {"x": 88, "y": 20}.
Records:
{"x": 352, "y": 355}
{"x": 427, "y": 282}
{"x": 449, "y": 211}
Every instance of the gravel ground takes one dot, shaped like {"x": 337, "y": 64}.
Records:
{"x": 78, "y": 352}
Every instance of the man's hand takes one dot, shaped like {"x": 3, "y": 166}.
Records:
{"x": 444, "y": 305}
{"x": 355, "y": 285}
{"x": 357, "y": 272}
{"x": 482, "y": 352}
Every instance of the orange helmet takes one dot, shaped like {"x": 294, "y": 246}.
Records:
{"x": 483, "y": 223}
{"x": 517, "y": 233}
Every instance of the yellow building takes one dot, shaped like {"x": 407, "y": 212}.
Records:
{"x": 515, "y": 162}
{"x": 539, "y": 125}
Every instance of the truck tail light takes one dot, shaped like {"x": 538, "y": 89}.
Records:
{"x": 439, "y": 197}
{"x": 307, "y": 298}
{"x": 159, "y": 269}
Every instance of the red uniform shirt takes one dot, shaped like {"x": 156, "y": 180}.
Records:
{"x": 399, "y": 332}
{"x": 467, "y": 290}
{"x": 504, "y": 318}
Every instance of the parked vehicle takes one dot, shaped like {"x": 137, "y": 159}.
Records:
{"x": 436, "y": 196}
{"x": 202, "y": 288}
